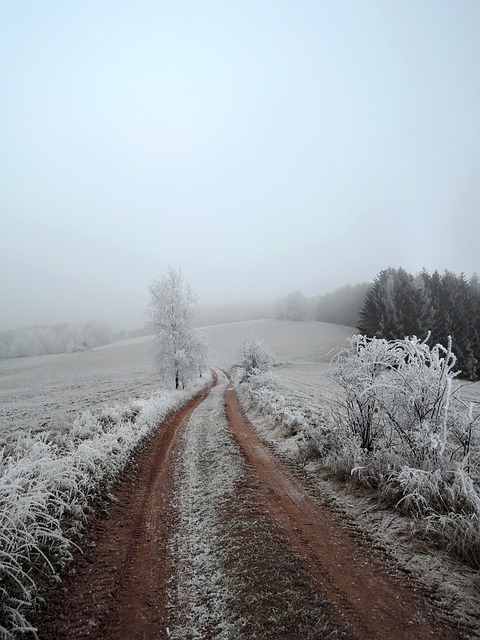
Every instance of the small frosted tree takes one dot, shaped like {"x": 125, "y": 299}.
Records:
{"x": 255, "y": 358}
{"x": 180, "y": 350}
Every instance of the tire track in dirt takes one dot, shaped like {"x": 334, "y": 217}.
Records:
{"x": 117, "y": 588}
{"x": 236, "y": 577}
{"x": 364, "y": 599}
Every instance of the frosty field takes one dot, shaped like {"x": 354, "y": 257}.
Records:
{"x": 289, "y": 342}
{"x": 45, "y": 393}
{"x": 302, "y": 352}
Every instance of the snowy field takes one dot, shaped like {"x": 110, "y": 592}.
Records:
{"x": 288, "y": 341}
{"x": 302, "y": 352}
{"x": 45, "y": 393}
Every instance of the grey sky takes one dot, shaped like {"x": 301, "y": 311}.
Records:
{"x": 260, "y": 146}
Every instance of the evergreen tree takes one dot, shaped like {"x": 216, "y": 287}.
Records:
{"x": 464, "y": 340}
{"x": 475, "y": 292}
{"x": 378, "y": 315}
{"x": 398, "y": 305}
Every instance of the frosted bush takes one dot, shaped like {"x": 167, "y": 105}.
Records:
{"x": 401, "y": 428}
{"x": 255, "y": 358}
{"x": 399, "y": 390}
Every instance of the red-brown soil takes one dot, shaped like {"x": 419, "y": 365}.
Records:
{"x": 115, "y": 590}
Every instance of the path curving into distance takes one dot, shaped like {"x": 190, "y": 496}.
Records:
{"x": 210, "y": 535}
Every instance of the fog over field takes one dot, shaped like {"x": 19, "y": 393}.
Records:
{"x": 46, "y": 393}
{"x": 262, "y": 147}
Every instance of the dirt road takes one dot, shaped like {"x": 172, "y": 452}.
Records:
{"x": 209, "y": 535}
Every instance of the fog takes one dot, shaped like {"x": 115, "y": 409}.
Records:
{"x": 262, "y": 147}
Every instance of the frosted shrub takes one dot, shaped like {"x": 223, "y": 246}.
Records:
{"x": 397, "y": 395}
{"x": 260, "y": 388}
{"x": 358, "y": 369}
{"x": 255, "y": 358}
{"x": 417, "y": 398}
{"x": 401, "y": 428}
{"x": 464, "y": 431}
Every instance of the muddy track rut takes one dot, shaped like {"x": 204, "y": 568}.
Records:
{"x": 117, "y": 589}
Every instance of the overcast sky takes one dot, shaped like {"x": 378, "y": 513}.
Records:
{"x": 260, "y": 146}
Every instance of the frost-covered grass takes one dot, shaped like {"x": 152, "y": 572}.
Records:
{"x": 48, "y": 482}
{"x": 208, "y": 471}
{"x": 45, "y": 393}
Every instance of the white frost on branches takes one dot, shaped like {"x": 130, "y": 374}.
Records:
{"x": 180, "y": 350}
{"x": 402, "y": 430}
{"x": 255, "y": 357}
{"x": 399, "y": 429}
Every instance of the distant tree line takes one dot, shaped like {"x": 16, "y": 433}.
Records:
{"x": 60, "y": 338}
{"x": 398, "y": 305}
{"x": 341, "y": 306}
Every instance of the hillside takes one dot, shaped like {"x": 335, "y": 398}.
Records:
{"x": 288, "y": 341}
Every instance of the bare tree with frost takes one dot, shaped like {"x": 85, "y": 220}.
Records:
{"x": 180, "y": 350}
